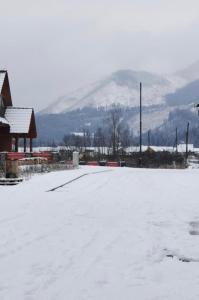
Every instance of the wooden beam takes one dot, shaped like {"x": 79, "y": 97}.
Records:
{"x": 30, "y": 144}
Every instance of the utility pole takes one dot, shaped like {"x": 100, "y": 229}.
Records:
{"x": 176, "y": 139}
{"x": 149, "y": 138}
{"x": 140, "y": 119}
{"x": 187, "y": 140}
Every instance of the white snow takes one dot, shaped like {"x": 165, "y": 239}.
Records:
{"x": 181, "y": 148}
{"x": 121, "y": 234}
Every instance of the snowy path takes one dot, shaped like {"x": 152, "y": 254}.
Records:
{"x": 125, "y": 234}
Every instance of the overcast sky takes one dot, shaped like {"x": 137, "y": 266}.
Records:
{"x": 51, "y": 47}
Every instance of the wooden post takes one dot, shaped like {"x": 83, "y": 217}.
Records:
{"x": 140, "y": 119}
{"x": 149, "y": 138}
{"x": 16, "y": 144}
{"x": 30, "y": 144}
{"x": 24, "y": 144}
{"x": 176, "y": 139}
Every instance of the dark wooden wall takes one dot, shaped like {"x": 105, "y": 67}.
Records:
{"x": 5, "y": 92}
{"x": 32, "y": 130}
{"x": 5, "y": 140}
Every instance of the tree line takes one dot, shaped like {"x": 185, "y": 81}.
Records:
{"x": 115, "y": 133}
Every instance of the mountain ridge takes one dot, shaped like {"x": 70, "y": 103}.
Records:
{"x": 162, "y": 95}
{"x": 121, "y": 87}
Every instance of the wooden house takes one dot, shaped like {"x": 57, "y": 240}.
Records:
{"x": 15, "y": 122}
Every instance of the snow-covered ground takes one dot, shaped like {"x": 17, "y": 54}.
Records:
{"x": 123, "y": 234}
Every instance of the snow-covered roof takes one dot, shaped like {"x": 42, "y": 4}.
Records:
{"x": 19, "y": 119}
{"x": 3, "y": 121}
{"x": 2, "y": 77}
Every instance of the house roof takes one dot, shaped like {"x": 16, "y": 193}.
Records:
{"x": 19, "y": 119}
{"x": 3, "y": 121}
{"x": 2, "y": 78}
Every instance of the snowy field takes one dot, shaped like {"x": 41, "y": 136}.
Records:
{"x": 124, "y": 234}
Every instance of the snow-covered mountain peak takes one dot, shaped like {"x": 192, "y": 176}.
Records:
{"x": 131, "y": 79}
{"x": 121, "y": 87}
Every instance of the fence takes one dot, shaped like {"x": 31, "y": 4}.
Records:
{"x": 27, "y": 171}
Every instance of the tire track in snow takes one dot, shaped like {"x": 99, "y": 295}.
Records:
{"x": 77, "y": 178}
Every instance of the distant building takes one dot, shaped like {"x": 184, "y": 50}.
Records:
{"x": 15, "y": 122}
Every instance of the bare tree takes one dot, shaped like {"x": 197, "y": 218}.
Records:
{"x": 73, "y": 141}
{"x": 86, "y": 138}
{"x": 115, "y": 118}
{"x": 126, "y": 137}
{"x": 99, "y": 139}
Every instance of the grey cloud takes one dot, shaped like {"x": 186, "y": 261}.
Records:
{"x": 51, "y": 47}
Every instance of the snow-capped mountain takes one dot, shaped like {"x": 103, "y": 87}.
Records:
{"x": 162, "y": 97}
{"x": 121, "y": 87}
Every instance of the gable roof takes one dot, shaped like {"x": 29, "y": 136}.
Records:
{"x": 19, "y": 119}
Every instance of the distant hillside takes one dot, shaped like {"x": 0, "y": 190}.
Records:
{"x": 52, "y": 128}
{"x": 121, "y": 87}
{"x": 191, "y": 73}
{"x": 166, "y": 133}
{"x": 185, "y": 95}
